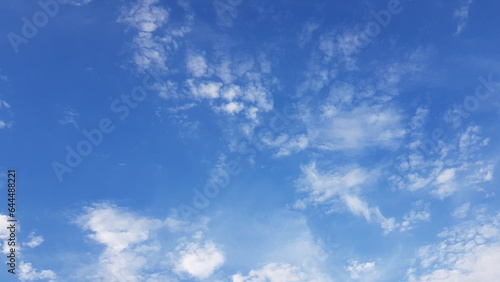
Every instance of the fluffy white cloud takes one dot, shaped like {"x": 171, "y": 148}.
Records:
{"x": 196, "y": 64}
{"x": 358, "y": 270}
{"x": 35, "y": 241}
{"x": 114, "y": 228}
{"x": 199, "y": 260}
{"x": 28, "y": 273}
{"x": 136, "y": 249}
{"x": 129, "y": 248}
{"x": 233, "y": 107}
{"x": 146, "y": 16}
{"x": 204, "y": 90}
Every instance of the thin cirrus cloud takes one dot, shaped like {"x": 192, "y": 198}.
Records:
{"x": 462, "y": 15}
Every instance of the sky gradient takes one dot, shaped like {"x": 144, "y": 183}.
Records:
{"x": 251, "y": 140}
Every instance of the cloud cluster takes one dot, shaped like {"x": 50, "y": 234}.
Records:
{"x": 442, "y": 163}
{"x": 358, "y": 270}
{"x": 468, "y": 251}
{"x": 135, "y": 251}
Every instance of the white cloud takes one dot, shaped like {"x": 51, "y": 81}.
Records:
{"x": 35, "y": 241}
{"x": 79, "y": 2}
{"x": 114, "y": 228}
{"x": 468, "y": 251}
{"x": 69, "y": 117}
{"x": 342, "y": 187}
{"x": 199, "y": 260}
{"x": 461, "y": 211}
{"x": 167, "y": 89}
{"x": 25, "y": 270}
{"x": 129, "y": 248}
{"x": 196, "y": 64}
{"x": 305, "y": 34}
{"x": 358, "y": 270}
{"x": 233, "y": 107}
{"x": 146, "y": 17}
{"x": 255, "y": 92}
{"x": 274, "y": 272}
{"x": 153, "y": 40}
{"x": 204, "y": 90}
{"x": 364, "y": 126}
{"x": 352, "y": 118}
{"x": 4, "y": 124}
{"x": 419, "y": 118}
{"x": 4, "y": 104}
{"x": 292, "y": 145}
{"x": 342, "y": 45}
{"x": 231, "y": 92}
{"x": 28, "y": 273}
{"x": 462, "y": 15}
{"x": 322, "y": 186}
{"x": 4, "y": 233}
{"x": 445, "y": 164}
{"x": 136, "y": 248}
{"x": 415, "y": 216}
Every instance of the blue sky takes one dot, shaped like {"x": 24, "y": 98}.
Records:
{"x": 250, "y": 140}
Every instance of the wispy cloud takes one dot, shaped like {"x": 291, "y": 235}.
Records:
{"x": 462, "y": 15}
{"x": 340, "y": 189}
{"x": 4, "y": 124}
{"x": 69, "y": 116}
{"x": 35, "y": 241}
